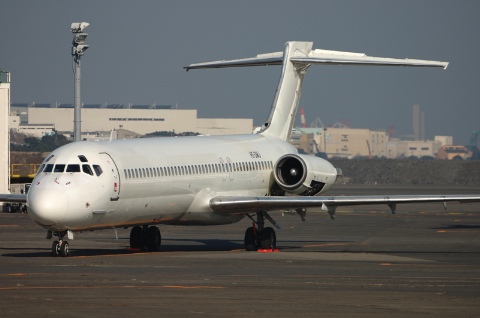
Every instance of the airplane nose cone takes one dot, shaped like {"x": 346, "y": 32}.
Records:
{"x": 46, "y": 206}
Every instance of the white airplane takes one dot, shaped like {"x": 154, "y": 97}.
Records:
{"x": 201, "y": 180}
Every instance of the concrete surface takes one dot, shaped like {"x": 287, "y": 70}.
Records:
{"x": 422, "y": 262}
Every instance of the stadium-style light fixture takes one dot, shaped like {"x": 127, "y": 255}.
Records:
{"x": 78, "y": 27}
{"x": 78, "y": 49}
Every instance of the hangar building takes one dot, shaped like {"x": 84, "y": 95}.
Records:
{"x": 141, "y": 119}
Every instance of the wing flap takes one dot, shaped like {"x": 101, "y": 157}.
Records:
{"x": 241, "y": 205}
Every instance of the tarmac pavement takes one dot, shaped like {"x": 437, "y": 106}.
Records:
{"x": 422, "y": 262}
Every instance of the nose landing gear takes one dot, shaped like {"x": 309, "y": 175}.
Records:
{"x": 60, "y": 247}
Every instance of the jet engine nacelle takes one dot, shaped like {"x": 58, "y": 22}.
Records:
{"x": 304, "y": 175}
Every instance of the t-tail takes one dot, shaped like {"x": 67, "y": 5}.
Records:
{"x": 295, "y": 60}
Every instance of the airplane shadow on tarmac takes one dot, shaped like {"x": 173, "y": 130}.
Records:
{"x": 168, "y": 245}
{"x": 456, "y": 227}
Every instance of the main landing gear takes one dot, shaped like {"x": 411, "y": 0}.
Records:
{"x": 60, "y": 247}
{"x": 259, "y": 237}
{"x": 146, "y": 238}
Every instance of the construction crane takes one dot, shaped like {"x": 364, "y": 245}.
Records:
{"x": 317, "y": 123}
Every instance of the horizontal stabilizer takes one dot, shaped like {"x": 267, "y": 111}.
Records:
{"x": 259, "y": 60}
{"x": 318, "y": 56}
{"x": 349, "y": 58}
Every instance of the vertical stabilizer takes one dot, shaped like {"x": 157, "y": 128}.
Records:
{"x": 282, "y": 114}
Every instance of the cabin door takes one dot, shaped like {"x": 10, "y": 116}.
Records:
{"x": 111, "y": 172}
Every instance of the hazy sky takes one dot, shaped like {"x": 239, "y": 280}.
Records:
{"x": 138, "y": 48}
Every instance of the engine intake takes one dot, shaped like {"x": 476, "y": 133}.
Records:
{"x": 304, "y": 175}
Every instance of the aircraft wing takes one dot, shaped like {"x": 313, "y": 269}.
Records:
{"x": 241, "y": 205}
{"x": 13, "y": 198}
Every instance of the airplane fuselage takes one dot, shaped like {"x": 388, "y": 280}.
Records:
{"x": 121, "y": 183}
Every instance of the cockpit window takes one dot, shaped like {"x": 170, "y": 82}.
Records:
{"x": 82, "y": 158}
{"x": 48, "y": 168}
{"x": 48, "y": 159}
{"x": 41, "y": 168}
{"x": 59, "y": 168}
{"x": 86, "y": 169}
{"x": 73, "y": 168}
{"x": 98, "y": 170}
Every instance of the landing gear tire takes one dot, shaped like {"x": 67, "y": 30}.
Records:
{"x": 268, "y": 239}
{"x": 64, "y": 249}
{"x": 55, "y": 249}
{"x": 60, "y": 248}
{"x": 250, "y": 240}
{"x": 136, "y": 237}
{"x": 154, "y": 239}
{"x": 146, "y": 238}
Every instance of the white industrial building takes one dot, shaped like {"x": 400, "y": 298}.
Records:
{"x": 342, "y": 142}
{"x": 144, "y": 120}
{"x": 345, "y": 142}
{"x": 4, "y": 132}
{"x": 37, "y": 131}
{"x": 413, "y": 148}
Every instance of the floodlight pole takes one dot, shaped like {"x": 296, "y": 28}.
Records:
{"x": 78, "y": 49}
{"x": 77, "y": 107}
